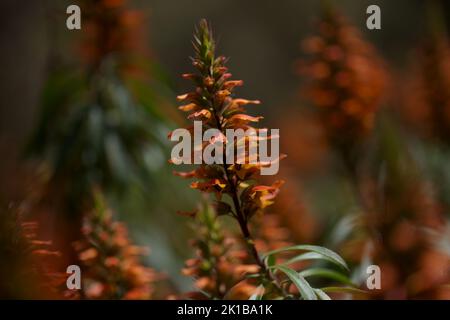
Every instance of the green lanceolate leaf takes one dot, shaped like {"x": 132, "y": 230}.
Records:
{"x": 306, "y": 256}
{"x": 258, "y": 294}
{"x": 327, "y": 273}
{"x": 327, "y": 253}
{"x": 321, "y": 295}
{"x": 344, "y": 290}
{"x": 306, "y": 291}
{"x": 270, "y": 261}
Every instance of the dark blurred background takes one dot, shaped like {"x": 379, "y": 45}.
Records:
{"x": 262, "y": 39}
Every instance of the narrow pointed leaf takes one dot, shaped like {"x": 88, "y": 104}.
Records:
{"x": 344, "y": 290}
{"x": 302, "y": 285}
{"x": 258, "y": 294}
{"x": 331, "y": 255}
{"x": 321, "y": 295}
{"x": 327, "y": 273}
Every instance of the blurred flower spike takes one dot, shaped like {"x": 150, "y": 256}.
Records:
{"x": 345, "y": 81}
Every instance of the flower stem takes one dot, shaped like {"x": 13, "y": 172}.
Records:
{"x": 242, "y": 220}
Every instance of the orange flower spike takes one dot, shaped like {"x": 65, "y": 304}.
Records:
{"x": 212, "y": 103}
{"x": 427, "y": 101}
{"x": 346, "y": 81}
{"x": 120, "y": 274}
